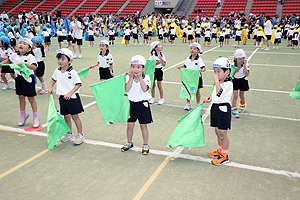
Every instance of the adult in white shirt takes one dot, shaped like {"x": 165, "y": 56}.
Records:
{"x": 4, "y": 16}
{"x": 268, "y": 32}
{"x": 76, "y": 30}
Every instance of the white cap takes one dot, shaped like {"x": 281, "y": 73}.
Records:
{"x": 104, "y": 42}
{"x": 195, "y": 44}
{"x": 66, "y": 52}
{"x": 26, "y": 40}
{"x": 138, "y": 59}
{"x": 154, "y": 44}
{"x": 239, "y": 53}
{"x": 222, "y": 63}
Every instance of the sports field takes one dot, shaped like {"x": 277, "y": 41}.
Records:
{"x": 263, "y": 152}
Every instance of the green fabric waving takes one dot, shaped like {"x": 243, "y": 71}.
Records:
{"x": 189, "y": 83}
{"x": 150, "y": 69}
{"x": 83, "y": 72}
{"x": 112, "y": 99}
{"x": 22, "y": 69}
{"x": 296, "y": 94}
{"x": 189, "y": 132}
{"x": 57, "y": 126}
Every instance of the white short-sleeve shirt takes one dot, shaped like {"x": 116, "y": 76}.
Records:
{"x": 66, "y": 81}
{"x": 241, "y": 73}
{"x": 155, "y": 57}
{"x": 136, "y": 93}
{"x": 224, "y": 95}
{"x": 106, "y": 60}
{"x": 197, "y": 63}
{"x": 268, "y": 27}
{"x": 76, "y": 32}
{"x": 6, "y": 53}
{"x": 38, "y": 54}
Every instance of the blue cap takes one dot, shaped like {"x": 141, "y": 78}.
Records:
{"x": 5, "y": 39}
{"x": 47, "y": 24}
{"x": 28, "y": 27}
{"x": 9, "y": 27}
{"x": 37, "y": 39}
{"x": 6, "y": 24}
{"x": 90, "y": 26}
{"x": 111, "y": 27}
{"x": 25, "y": 24}
{"x": 2, "y": 34}
{"x": 44, "y": 28}
{"x": 16, "y": 27}
{"x": 59, "y": 26}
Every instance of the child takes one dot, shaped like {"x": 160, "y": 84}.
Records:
{"x": 127, "y": 35}
{"x": 227, "y": 34}
{"x": 214, "y": 33}
{"x": 190, "y": 35}
{"x": 240, "y": 82}
{"x": 137, "y": 86}
{"x": 150, "y": 32}
{"x": 258, "y": 37}
{"x": 59, "y": 36}
{"x": 46, "y": 35}
{"x": 91, "y": 36}
{"x": 295, "y": 39}
{"x": 17, "y": 32}
{"x": 166, "y": 34}
{"x": 277, "y": 36}
{"x": 255, "y": 31}
{"x": 207, "y": 35}
{"x": 161, "y": 35}
{"x": 160, "y": 58}
{"x": 238, "y": 35}
{"x": 6, "y": 52}
{"x": 30, "y": 33}
{"x": 145, "y": 37}
{"x": 290, "y": 36}
{"x": 135, "y": 35}
{"x": 194, "y": 62}
{"x": 172, "y": 34}
{"x": 11, "y": 36}
{"x": 220, "y": 117}
{"x": 245, "y": 32}
{"x": 25, "y": 88}
{"x": 40, "y": 55}
{"x": 198, "y": 33}
{"x": 222, "y": 36}
{"x": 105, "y": 61}
{"x": 69, "y": 39}
{"x": 68, "y": 84}
{"x": 184, "y": 33}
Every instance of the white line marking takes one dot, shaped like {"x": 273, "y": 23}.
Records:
{"x": 174, "y": 154}
{"x": 272, "y": 117}
{"x": 249, "y": 58}
{"x": 263, "y": 52}
{"x": 184, "y": 60}
{"x": 271, "y": 65}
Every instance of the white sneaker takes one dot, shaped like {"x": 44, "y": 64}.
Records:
{"x": 264, "y": 48}
{"x": 66, "y": 137}
{"x": 276, "y": 47}
{"x": 79, "y": 139}
{"x": 273, "y": 47}
{"x": 267, "y": 49}
{"x": 6, "y": 87}
{"x": 152, "y": 100}
{"x": 161, "y": 102}
{"x": 187, "y": 107}
{"x": 75, "y": 55}
{"x": 23, "y": 119}
{"x": 36, "y": 122}
{"x": 80, "y": 56}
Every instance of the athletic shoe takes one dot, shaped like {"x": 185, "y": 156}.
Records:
{"x": 6, "y": 87}
{"x": 267, "y": 49}
{"x": 145, "y": 149}
{"x": 23, "y": 119}
{"x": 273, "y": 47}
{"x": 161, "y": 102}
{"x": 66, "y": 137}
{"x": 187, "y": 107}
{"x": 80, "y": 56}
{"x": 235, "y": 112}
{"x": 36, "y": 122}
{"x": 221, "y": 160}
{"x": 213, "y": 154}
{"x": 127, "y": 146}
{"x": 79, "y": 139}
{"x": 242, "y": 107}
{"x": 75, "y": 55}
{"x": 1, "y": 80}
{"x": 276, "y": 47}
{"x": 40, "y": 90}
{"x": 43, "y": 91}
{"x": 152, "y": 100}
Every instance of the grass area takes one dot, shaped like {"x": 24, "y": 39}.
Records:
{"x": 266, "y": 136}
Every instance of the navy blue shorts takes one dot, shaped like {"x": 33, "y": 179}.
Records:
{"x": 25, "y": 88}
{"x": 71, "y": 106}
{"x": 141, "y": 111}
{"x": 220, "y": 116}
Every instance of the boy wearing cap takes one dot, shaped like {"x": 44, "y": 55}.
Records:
{"x": 111, "y": 34}
{"x": 127, "y": 34}
{"x": 135, "y": 35}
{"x": 137, "y": 86}
{"x": 68, "y": 84}
{"x": 194, "y": 62}
{"x": 277, "y": 36}
{"x": 60, "y": 38}
{"x": 46, "y": 35}
{"x": 220, "y": 117}
{"x": 105, "y": 61}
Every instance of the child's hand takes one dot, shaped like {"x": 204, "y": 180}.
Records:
{"x": 112, "y": 74}
{"x": 67, "y": 96}
{"x": 216, "y": 77}
{"x": 50, "y": 90}
{"x": 130, "y": 73}
{"x": 20, "y": 63}
{"x": 245, "y": 64}
{"x": 178, "y": 67}
{"x": 207, "y": 100}
{"x": 91, "y": 67}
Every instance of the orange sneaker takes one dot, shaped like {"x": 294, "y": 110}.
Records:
{"x": 213, "y": 154}
{"x": 221, "y": 160}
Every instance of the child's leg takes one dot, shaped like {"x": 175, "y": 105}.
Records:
{"x": 224, "y": 140}
{"x": 32, "y": 103}
{"x": 59, "y": 45}
{"x": 78, "y": 123}
{"x": 67, "y": 119}
{"x": 145, "y": 133}
{"x": 153, "y": 90}
{"x": 198, "y": 96}
{"x": 74, "y": 48}
{"x": 80, "y": 49}
{"x": 161, "y": 92}
{"x": 130, "y": 126}
{"x": 242, "y": 96}
{"x": 13, "y": 75}
{"x": 235, "y": 97}
{"x": 22, "y": 102}
{"x": 3, "y": 77}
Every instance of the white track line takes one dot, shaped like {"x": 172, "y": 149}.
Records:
{"x": 249, "y": 58}
{"x": 271, "y": 65}
{"x": 174, "y": 154}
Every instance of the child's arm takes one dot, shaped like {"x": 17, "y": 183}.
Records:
{"x": 111, "y": 70}
{"x": 6, "y": 61}
{"x": 218, "y": 86}
{"x": 95, "y": 65}
{"x": 142, "y": 82}
{"x": 207, "y": 100}
{"x": 69, "y": 94}
{"x": 129, "y": 83}
{"x": 202, "y": 69}
{"x": 50, "y": 88}
{"x": 181, "y": 66}
{"x": 245, "y": 69}
{"x": 33, "y": 67}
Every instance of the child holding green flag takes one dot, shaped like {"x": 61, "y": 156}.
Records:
{"x": 220, "y": 117}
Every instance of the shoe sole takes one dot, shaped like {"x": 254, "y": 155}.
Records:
{"x": 223, "y": 163}
{"x": 212, "y": 156}
{"x": 235, "y": 116}
{"x": 78, "y": 143}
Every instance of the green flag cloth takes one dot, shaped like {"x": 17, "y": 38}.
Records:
{"x": 232, "y": 68}
{"x": 189, "y": 83}
{"x": 150, "y": 69}
{"x": 83, "y": 72}
{"x": 296, "y": 94}
{"x": 112, "y": 99}
{"x": 22, "y": 69}
{"x": 57, "y": 126}
{"x": 189, "y": 132}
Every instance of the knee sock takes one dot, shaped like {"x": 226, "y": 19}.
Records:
{"x": 44, "y": 85}
{"x": 224, "y": 152}
{"x": 23, "y": 112}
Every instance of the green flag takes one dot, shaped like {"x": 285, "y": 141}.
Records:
{"x": 57, "y": 126}
{"x": 150, "y": 69}
{"x": 112, "y": 99}
{"x": 83, "y": 72}
{"x": 189, "y": 132}
{"x": 22, "y": 69}
{"x": 296, "y": 94}
{"x": 189, "y": 83}
{"x": 232, "y": 68}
